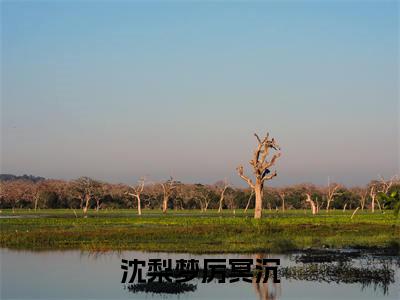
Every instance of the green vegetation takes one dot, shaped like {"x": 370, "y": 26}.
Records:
{"x": 391, "y": 202}
{"x": 196, "y": 232}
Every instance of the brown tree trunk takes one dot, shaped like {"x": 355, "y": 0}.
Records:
{"x": 248, "y": 202}
{"x": 373, "y": 204}
{"x": 221, "y": 199}
{"x": 139, "y": 206}
{"x": 313, "y": 207}
{"x": 165, "y": 204}
{"x": 85, "y": 209}
{"x": 258, "y": 191}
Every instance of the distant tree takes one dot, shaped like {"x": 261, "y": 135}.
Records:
{"x": 362, "y": 194}
{"x": 331, "y": 192}
{"x": 168, "y": 187}
{"x": 312, "y": 204}
{"x": 204, "y": 195}
{"x": 136, "y": 192}
{"x": 391, "y": 201}
{"x": 221, "y": 187}
{"x": 85, "y": 189}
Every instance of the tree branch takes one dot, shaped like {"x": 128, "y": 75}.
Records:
{"x": 244, "y": 177}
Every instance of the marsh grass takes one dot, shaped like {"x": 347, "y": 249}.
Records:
{"x": 196, "y": 232}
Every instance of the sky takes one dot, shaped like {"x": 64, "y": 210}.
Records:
{"x": 116, "y": 90}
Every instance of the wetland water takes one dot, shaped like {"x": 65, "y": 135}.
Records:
{"x": 82, "y": 275}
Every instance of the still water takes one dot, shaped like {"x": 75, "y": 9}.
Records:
{"x": 83, "y": 275}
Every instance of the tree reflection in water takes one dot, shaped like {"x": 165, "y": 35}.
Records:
{"x": 161, "y": 288}
{"x": 340, "y": 268}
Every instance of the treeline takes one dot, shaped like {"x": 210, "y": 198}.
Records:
{"x": 36, "y": 192}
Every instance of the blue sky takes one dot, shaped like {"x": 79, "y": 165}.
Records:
{"x": 117, "y": 90}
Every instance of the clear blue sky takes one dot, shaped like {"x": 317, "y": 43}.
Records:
{"x": 117, "y": 90}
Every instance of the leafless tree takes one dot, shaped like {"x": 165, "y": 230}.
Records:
{"x": 222, "y": 186}
{"x": 136, "y": 192}
{"x": 362, "y": 194}
{"x": 373, "y": 193}
{"x": 261, "y": 171}
{"x": 248, "y": 201}
{"x": 312, "y": 203}
{"x": 84, "y": 188}
{"x": 386, "y": 185}
{"x": 204, "y": 196}
{"x": 168, "y": 187}
{"x": 331, "y": 192}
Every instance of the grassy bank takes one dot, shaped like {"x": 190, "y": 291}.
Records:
{"x": 192, "y": 231}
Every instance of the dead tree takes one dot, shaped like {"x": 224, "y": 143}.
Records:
{"x": 372, "y": 194}
{"x": 137, "y": 191}
{"x": 386, "y": 185}
{"x": 331, "y": 192}
{"x": 85, "y": 188}
{"x": 222, "y": 189}
{"x": 204, "y": 196}
{"x": 377, "y": 187}
{"x": 248, "y": 201}
{"x": 363, "y": 194}
{"x": 313, "y": 206}
{"x": 261, "y": 171}
{"x": 168, "y": 187}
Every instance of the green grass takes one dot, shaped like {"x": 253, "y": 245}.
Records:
{"x": 196, "y": 232}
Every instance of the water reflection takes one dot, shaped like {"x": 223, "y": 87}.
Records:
{"x": 97, "y": 275}
{"x": 161, "y": 288}
{"x": 346, "y": 267}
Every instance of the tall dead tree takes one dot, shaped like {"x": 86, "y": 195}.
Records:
{"x": 137, "y": 191}
{"x": 312, "y": 203}
{"x": 168, "y": 187}
{"x": 372, "y": 194}
{"x": 261, "y": 171}
{"x": 222, "y": 189}
{"x": 331, "y": 192}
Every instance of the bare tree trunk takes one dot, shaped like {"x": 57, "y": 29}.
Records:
{"x": 97, "y": 205}
{"x": 139, "y": 205}
{"x": 313, "y": 207}
{"x": 344, "y": 208}
{"x": 221, "y": 199}
{"x": 137, "y": 192}
{"x": 248, "y": 202}
{"x": 87, "y": 201}
{"x": 373, "y": 195}
{"x": 355, "y": 212}
{"x": 168, "y": 187}
{"x": 258, "y": 191}
{"x": 165, "y": 204}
